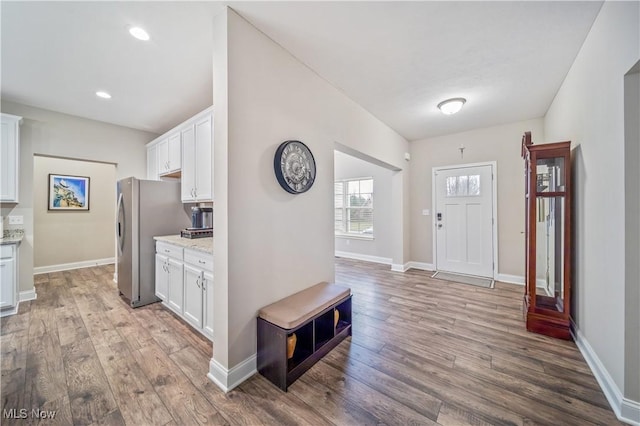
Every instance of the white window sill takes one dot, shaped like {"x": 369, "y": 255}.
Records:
{"x": 356, "y": 236}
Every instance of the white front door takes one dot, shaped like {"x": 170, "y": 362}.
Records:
{"x": 464, "y": 220}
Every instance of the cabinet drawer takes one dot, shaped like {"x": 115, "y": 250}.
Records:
{"x": 6, "y": 251}
{"x": 169, "y": 250}
{"x": 199, "y": 259}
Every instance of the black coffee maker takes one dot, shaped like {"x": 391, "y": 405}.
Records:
{"x": 201, "y": 217}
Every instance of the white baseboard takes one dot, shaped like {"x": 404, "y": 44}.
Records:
{"x": 511, "y": 279}
{"x": 626, "y": 410}
{"x": 364, "y": 257}
{"x": 229, "y": 379}
{"x": 24, "y": 296}
{"x": 73, "y": 265}
{"x": 28, "y": 295}
{"x": 9, "y": 311}
{"x": 399, "y": 267}
{"x": 422, "y": 266}
{"x": 630, "y": 412}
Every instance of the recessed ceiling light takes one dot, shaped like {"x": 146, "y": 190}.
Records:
{"x": 451, "y": 106}
{"x": 103, "y": 94}
{"x": 139, "y": 33}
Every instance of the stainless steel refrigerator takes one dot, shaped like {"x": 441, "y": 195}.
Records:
{"x": 146, "y": 208}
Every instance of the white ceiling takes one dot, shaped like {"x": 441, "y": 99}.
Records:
{"x": 396, "y": 59}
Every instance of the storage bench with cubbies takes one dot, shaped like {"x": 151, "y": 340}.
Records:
{"x": 311, "y": 322}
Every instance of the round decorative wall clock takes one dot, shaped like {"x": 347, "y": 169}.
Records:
{"x": 295, "y": 167}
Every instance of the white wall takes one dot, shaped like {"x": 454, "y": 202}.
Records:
{"x": 63, "y": 237}
{"x": 632, "y": 232}
{"x": 54, "y": 134}
{"x": 349, "y": 167}
{"x": 500, "y": 144}
{"x": 589, "y": 111}
{"x": 275, "y": 243}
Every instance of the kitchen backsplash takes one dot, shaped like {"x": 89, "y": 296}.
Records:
{"x": 10, "y": 233}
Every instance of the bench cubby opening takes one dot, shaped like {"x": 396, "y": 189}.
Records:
{"x": 315, "y": 337}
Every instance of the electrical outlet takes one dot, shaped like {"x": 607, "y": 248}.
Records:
{"x": 426, "y": 212}
{"x": 16, "y": 220}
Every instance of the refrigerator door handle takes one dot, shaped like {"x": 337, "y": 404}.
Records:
{"x": 120, "y": 224}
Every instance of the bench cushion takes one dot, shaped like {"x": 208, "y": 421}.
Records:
{"x": 294, "y": 310}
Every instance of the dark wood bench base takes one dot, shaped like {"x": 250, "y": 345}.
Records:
{"x": 315, "y": 338}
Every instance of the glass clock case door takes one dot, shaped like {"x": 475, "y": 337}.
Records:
{"x": 547, "y": 293}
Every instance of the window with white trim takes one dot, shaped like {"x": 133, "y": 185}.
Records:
{"x": 353, "y": 200}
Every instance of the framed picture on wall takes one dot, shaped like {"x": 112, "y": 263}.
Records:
{"x": 68, "y": 193}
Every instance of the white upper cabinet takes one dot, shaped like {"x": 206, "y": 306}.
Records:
{"x": 197, "y": 167}
{"x": 10, "y": 158}
{"x": 188, "y": 179}
{"x": 204, "y": 159}
{"x": 163, "y": 156}
{"x": 175, "y": 152}
{"x": 169, "y": 153}
{"x": 185, "y": 152}
{"x": 152, "y": 162}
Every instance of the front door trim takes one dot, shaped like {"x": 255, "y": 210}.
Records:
{"x": 494, "y": 206}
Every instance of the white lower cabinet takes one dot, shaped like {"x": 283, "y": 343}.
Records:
{"x": 176, "y": 286}
{"x": 169, "y": 266}
{"x": 8, "y": 277}
{"x": 184, "y": 282}
{"x": 207, "y": 293}
{"x": 162, "y": 277}
{"x": 198, "y": 290}
{"x": 193, "y": 296}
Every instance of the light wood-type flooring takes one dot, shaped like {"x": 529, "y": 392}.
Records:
{"x": 423, "y": 352}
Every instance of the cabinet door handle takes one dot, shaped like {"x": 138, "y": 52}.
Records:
{"x": 198, "y": 282}
{"x": 167, "y": 251}
{"x": 201, "y": 261}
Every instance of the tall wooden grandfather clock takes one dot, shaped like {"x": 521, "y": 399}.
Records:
{"x": 548, "y": 237}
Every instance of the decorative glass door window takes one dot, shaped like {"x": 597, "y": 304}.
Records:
{"x": 463, "y": 186}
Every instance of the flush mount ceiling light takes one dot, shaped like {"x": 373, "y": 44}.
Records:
{"x": 139, "y": 33}
{"x": 103, "y": 94}
{"x": 451, "y": 106}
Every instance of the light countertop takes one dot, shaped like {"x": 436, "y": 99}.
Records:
{"x": 201, "y": 244}
{"x": 12, "y": 236}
